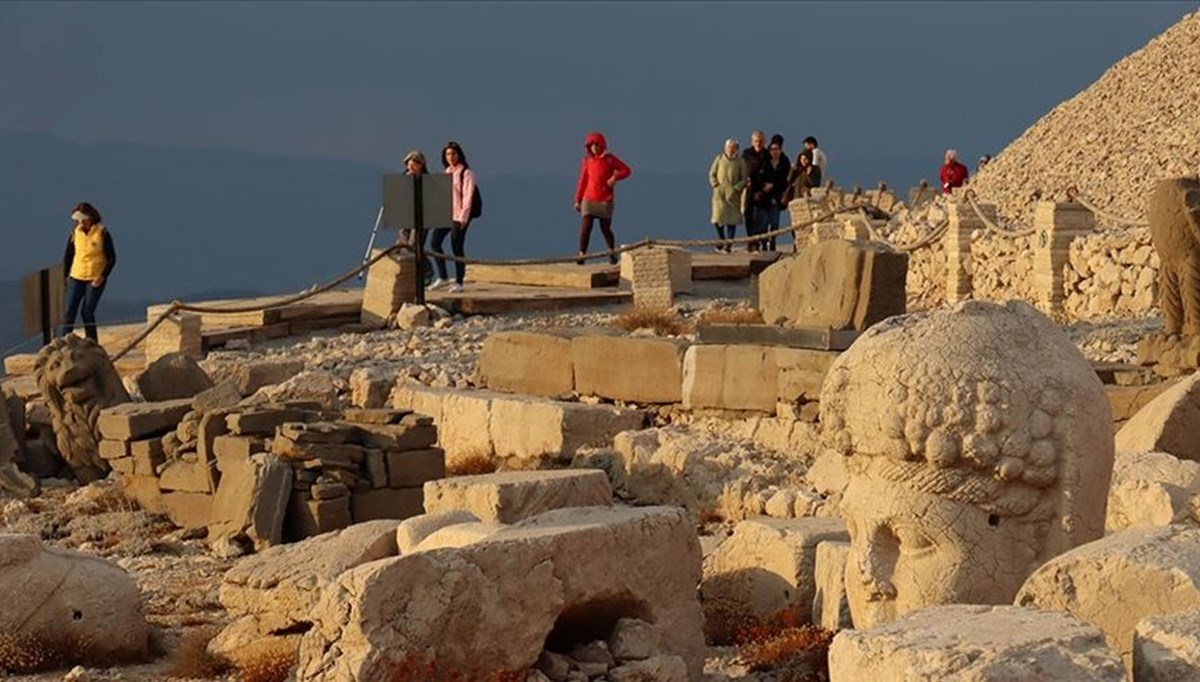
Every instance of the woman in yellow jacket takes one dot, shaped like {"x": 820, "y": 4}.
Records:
{"x": 88, "y": 261}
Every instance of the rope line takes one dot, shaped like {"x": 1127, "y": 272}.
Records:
{"x": 991, "y": 225}
{"x": 1074, "y": 195}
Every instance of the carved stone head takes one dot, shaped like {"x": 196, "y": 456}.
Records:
{"x": 78, "y": 380}
{"x": 980, "y": 445}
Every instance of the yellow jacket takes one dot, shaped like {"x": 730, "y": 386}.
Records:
{"x": 89, "y": 254}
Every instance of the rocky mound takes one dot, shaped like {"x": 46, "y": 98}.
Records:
{"x": 1138, "y": 123}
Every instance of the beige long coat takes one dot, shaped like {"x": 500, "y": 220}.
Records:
{"x": 728, "y": 177}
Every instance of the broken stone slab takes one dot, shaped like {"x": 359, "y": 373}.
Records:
{"x": 187, "y": 510}
{"x": 222, "y": 396}
{"x": 526, "y": 432}
{"x": 831, "y": 607}
{"x": 1168, "y": 423}
{"x": 1151, "y": 489}
{"x": 315, "y": 386}
{"x": 251, "y": 500}
{"x": 322, "y": 433}
{"x": 261, "y": 421}
{"x": 1115, "y": 582}
{"x": 147, "y": 455}
{"x": 490, "y": 606}
{"x": 764, "y": 569}
{"x": 1167, "y": 648}
{"x": 375, "y": 415}
{"x": 236, "y": 449}
{"x": 744, "y": 377}
{"x": 188, "y": 477}
{"x": 386, "y": 503}
{"x": 256, "y": 375}
{"x": 526, "y": 362}
{"x": 54, "y": 595}
{"x": 172, "y": 376}
{"x": 308, "y": 517}
{"x": 136, "y": 421}
{"x": 413, "y": 468}
{"x": 412, "y": 531}
{"x": 511, "y": 496}
{"x": 397, "y": 437}
{"x": 370, "y": 386}
{"x": 978, "y": 643}
{"x": 630, "y": 369}
{"x": 277, "y": 589}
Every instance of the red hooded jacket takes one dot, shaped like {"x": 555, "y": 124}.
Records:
{"x": 596, "y": 170}
{"x": 954, "y": 175}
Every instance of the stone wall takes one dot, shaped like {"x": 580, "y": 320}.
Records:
{"x": 1002, "y": 267}
{"x": 1113, "y": 272}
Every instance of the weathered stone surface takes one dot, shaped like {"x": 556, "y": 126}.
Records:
{"x": 412, "y": 531}
{"x": 744, "y": 377}
{"x": 135, "y": 421}
{"x": 398, "y": 437}
{"x": 307, "y": 517}
{"x": 12, "y": 479}
{"x": 186, "y": 510}
{"x": 978, "y": 438}
{"x": 315, "y": 386}
{"x": 251, "y": 500}
{"x": 1166, "y": 424}
{"x": 1127, "y": 401}
{"x": 78, "y": 380}
{"x": 835, "y": 284}
{"x": 256, "y": 375}
{"x": 656, "y": 669}
{"x": 1151, "y": 489}
{"x": 1115, "y": 582}
{"x": 977, "y": 643}
{"x": 380, "y": 415}
{"x": 831, "y": 607}
{"x": 386, "y": 503}
{"x": 491, "y": 605}
{"x": 85, "y": 602}
{"x": 412, "y": 468}
{"x": 631, "y": 369}
{"x": 1167, "y": 648}
{"x": 222, "y": 396}
{"x": 634, "y": 640}
{"x": 370, "y": 386}
{"x": 524, "y": 362}
{"x": 766, "y": 567}
{"x": 236, "y": 449}
{"x": 411, "y": 316}
{"x": 277, "y": 589}
{"x": 261, "y": 421}
{"x": 511, "y": 496}
{"x": 172, "y": 376}
{"x": 188, "y": 477}
{"x": 1174, "y": 214}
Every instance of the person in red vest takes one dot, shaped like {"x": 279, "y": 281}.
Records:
{"x": 599, "y": 173}
{"x": 954, "y": 174}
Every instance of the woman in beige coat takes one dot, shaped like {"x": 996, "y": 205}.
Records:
{"x": 728, "y": 177}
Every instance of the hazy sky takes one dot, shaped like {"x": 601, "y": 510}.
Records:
{"x": 520, "y": 83}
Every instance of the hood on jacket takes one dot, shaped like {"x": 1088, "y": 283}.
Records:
{"x": 596, "y": 138}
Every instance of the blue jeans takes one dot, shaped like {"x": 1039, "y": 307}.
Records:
{"x": 767, "y": 220}
{"x": 80, "y": 292}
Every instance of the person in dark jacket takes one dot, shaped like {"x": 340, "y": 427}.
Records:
{"x": 767, "y": 188}
{"x": 88, "y": 261}
{"x": 804, "y": 177}
{"x": 599, "y": 173}
{"x": 753, "y": 156}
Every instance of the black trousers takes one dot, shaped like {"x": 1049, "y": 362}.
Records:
{"x": 458, "y": 238}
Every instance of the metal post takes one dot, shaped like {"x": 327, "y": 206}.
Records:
{"x": 44, "y": 300}
{"x": 419, "y": 236}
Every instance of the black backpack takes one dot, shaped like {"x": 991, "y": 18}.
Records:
{"x": 476, "y": 204}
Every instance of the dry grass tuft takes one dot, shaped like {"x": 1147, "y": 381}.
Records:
{"x": 730, "y": 316}
{"x": 274, "y": 666}
{"x": 191, "y": 658}
{"x": 794, "y": 652}
{"x": 26, "y": 654}
{"x": 415, "y": 669}
{"x": 471, "y": 465}
{"x": 663, "y": 322}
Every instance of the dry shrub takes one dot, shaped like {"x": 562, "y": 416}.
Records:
{"x": 191, "y": 658}
{"x": 730, "y": 316}
{"x": 471, "y": 465}
{"x": 26, "y": 654}
{"x": 794, "y": 652}
{"x": 272, "y": 666}
{"x": 415, "y": 669}
{"x": 663, "y": 322}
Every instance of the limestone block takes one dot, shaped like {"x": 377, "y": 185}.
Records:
{"x": 180, "y": 333}
{"x": 172, "y": 376}
{"x": 261, "y": 421}
{"x": 398, "y": 437}
{"x": 1151, "y": 489}
{"x": 412, "y": 531}
{"x": 464, "y": 428}
{"x": 147, "y": 455}
{"x": 1166, "y": 424}
{"x": 144, "y": 491}
{"x": 113, "y": 449}
{"x": 1126, "y": 401}
{"x": 835, "y": 284}
{"x": 251, "y": 500}
{"x": 1167, "y": 648}
{"x": 412, "y": 468}
{"x": 490, "y": 605}
{"x": 630, "y": 369}
{"x": 831, "y": 607}
{"x": 370, "y": 386}
{"x": 82, "y": 601}
{"x": 135, "y": 421}
{"x": 256, "y": 375}
{"x": 222, "y": 396}
{"x": 511, "y": 496}
{"x": 307, "y": 517}
{"x": 380, "y": 416}
{"x": 740, "y": 377}
{"x": 1117, "y": 581}
{"x": 187, "y": 510}
{"x": 528, "y": 431}
{"x": 391, "y": 282}
{"x": 411, "y": 316}
{"x": 976, "y": 643}
{"x": 236, "y": 449}
{"x": 796, "y": 384}
{"x": 766, "y": 567}
{"x": 276, "y": 589}
{"x": 524, "y": 362}
{"x": 386, "y": 503}
{"x": 315, "y": 386}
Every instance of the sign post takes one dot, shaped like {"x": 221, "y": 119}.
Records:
{"x": 417, "y": 203}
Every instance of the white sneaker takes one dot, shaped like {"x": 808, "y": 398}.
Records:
{"x": 455, "y": 288}
{"x": 437, "y": 284}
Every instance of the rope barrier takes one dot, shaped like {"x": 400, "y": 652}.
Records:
{"x": 1074, "y": 195}
{"x": 989, "y": 224}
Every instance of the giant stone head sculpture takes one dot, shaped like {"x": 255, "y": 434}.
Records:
{"x": 979, "y": 444}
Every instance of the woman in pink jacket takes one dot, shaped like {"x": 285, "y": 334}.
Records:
{"x": 455, "y": 163}
{"x": 598, "y": 174}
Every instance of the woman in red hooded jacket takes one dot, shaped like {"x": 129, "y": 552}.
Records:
{"x": 598, "y": 174}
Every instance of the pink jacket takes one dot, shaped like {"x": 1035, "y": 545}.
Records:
{"x": 464, "y": 193}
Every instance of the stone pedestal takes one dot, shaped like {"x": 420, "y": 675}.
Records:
{"x": 963, "y": 222}
{"x": 1057, "y": 224}
{"x": 657, "y": 274}
{"x": 179, "y": 333}
{"x": 391, "y": 282}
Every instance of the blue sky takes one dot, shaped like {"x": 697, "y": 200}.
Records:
{"x": 519, "y": 84}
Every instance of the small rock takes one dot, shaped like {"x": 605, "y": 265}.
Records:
{"x": 555, "y": 666}
{"x": 412, "y": 316}
{"x": 633, "y": 640}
